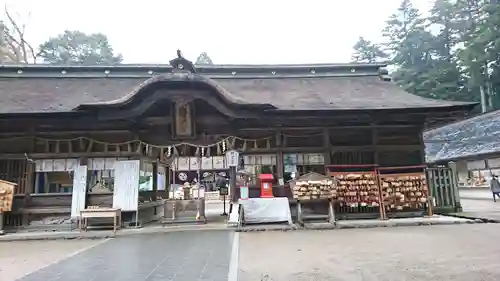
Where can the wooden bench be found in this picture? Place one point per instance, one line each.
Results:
(56, 210)
(115, 214)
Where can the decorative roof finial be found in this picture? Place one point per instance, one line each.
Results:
(182, 64)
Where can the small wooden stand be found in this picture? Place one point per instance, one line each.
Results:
(116, 214)
(430, 206)
(331, 211)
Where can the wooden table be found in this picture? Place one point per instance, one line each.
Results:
(116, 214)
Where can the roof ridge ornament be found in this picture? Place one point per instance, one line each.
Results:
(181, 64)
(384, 75)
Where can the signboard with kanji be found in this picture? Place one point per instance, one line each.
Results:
(232, 158)
(223, 191)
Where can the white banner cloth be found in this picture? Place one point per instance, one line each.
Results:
(266, 210)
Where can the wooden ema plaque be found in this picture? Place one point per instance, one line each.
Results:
(6, 196)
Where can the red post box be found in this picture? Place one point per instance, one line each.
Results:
(266, 185)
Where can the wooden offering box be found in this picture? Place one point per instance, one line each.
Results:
(404, 188)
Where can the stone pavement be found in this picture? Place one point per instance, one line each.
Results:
(20, 258)
(480, 209)
(475, 193)
(447, 252)
(216, 222)
(343, 224)
(176, 256)
(100, 234)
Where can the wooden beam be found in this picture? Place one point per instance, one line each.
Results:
(67, 155)
(67, 133)
(326, 127)
(333, 148)
(166, 120)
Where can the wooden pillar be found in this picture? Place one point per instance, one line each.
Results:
(326, 146)
(422, 147)
(279, 156)
(155, 181)
(169, 179)
(454, 186)
(374, 130)
(30, 181)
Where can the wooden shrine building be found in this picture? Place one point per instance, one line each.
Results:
(472, 144)
(55, 118)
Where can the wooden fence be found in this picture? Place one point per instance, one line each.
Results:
(443, 187)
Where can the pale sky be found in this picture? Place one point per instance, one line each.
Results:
(231, 32)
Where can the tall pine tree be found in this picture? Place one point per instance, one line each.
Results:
(453, 54)
(487, 38)
(411, 47)
(471, 55)
(444, 79)
(368, 52)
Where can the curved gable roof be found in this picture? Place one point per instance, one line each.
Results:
(297, 87)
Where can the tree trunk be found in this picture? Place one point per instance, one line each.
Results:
(484, 106)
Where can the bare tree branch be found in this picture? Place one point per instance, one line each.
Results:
(16, 40)
(14, 49)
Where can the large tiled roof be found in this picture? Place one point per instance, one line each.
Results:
(470, 137)
(292, 87)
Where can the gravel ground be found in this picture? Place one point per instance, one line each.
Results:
(20, 258)
(453, 252)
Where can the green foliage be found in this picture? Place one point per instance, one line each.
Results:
(453, 54)
(78, 48)
(203, 58)
(368, 52)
